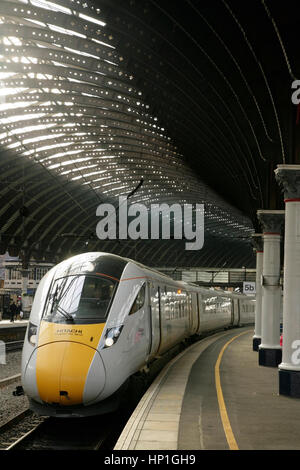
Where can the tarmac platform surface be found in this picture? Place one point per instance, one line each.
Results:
(215, 396)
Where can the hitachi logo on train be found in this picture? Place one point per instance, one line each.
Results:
(69, 331)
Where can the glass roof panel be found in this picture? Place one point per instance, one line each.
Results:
(85, 103)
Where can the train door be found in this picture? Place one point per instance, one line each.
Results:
(196, 311)
(193, 312)
(232, 313)
(155, 317)
(237, 314)
(137, 333)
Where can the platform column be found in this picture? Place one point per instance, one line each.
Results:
(25, 276)
(269, 352)
(288, 176)
(257, 240)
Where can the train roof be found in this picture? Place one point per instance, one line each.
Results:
(114, 265)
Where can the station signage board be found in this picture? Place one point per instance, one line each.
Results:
(249, 288)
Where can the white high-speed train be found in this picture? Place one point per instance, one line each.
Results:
(97, 319)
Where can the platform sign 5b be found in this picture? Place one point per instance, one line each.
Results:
(249, 288)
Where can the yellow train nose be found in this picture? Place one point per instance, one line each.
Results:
(62, 373)
(65, 354)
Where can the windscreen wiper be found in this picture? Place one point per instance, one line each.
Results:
(54, 299)
(55, 306)
(58, 298)
(63, 312)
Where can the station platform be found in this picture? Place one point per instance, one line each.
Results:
(12, 331)
(215, 396)
(14, 324)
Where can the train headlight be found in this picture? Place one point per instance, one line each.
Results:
(109, 342)
(32, 337)
(112, 335)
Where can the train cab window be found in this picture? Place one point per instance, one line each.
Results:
(95, 296)
(139, 301)
(80, 299)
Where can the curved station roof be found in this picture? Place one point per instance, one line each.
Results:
(156, 101)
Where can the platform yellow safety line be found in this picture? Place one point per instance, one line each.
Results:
(222, 407)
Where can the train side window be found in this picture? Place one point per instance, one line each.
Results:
(139, 301)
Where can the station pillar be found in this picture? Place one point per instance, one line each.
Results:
(269, 351)
(288, 176)
(25, 275)
(257, 240)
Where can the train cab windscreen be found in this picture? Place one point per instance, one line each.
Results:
(79, 299)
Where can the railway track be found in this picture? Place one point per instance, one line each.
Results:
(14, 345)
(28, 431)
(10, 380)
(16, 428)
(68, 434)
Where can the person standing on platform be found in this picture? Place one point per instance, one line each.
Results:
(19, 311)
(13, 311)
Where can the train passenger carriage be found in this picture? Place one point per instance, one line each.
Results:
(97, 319)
